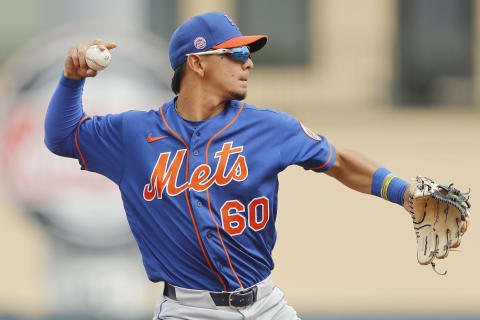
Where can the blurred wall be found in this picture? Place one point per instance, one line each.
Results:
(338, 252)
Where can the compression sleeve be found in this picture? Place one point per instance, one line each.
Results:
(63, 115)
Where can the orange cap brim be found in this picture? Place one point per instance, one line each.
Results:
(254, 42)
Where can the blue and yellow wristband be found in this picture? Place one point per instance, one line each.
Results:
(388, 186)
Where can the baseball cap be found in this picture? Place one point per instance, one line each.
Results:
(211, 30)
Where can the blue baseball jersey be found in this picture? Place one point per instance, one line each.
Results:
(201, 197)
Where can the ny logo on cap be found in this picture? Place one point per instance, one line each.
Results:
(200, 43)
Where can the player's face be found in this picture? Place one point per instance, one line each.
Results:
(228, 77)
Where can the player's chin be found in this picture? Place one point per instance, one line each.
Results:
(239, 94)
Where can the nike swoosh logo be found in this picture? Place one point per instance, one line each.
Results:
(150, 139)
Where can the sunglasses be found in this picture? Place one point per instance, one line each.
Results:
(238, 54)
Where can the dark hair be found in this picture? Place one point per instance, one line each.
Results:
(177, 78)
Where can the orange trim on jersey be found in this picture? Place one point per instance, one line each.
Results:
(208, 196)
(323, 165)
(76, 141)
(190, 208)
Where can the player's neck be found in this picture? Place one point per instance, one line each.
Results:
(198, 108)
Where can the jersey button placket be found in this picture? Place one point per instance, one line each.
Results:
(214, 250)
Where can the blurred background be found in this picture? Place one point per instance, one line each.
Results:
(396, 80)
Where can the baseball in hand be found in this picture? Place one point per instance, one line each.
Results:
(97, 59)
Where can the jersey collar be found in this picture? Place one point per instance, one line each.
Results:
(208, 128)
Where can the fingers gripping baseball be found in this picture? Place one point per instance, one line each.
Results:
(75, 64)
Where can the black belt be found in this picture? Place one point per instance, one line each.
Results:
(234, 299)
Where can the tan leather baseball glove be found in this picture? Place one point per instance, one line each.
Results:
(440, 218)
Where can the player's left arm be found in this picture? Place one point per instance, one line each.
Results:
(301, 146)
(362, 174)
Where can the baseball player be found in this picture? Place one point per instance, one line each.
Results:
(198, 175)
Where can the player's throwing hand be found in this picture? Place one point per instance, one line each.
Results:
(75, 64)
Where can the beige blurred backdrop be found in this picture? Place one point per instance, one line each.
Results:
(338, 252)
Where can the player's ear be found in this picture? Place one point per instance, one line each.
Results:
(196, 64)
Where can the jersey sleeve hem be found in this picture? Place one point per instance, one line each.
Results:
(83, 163)
(329, 163)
